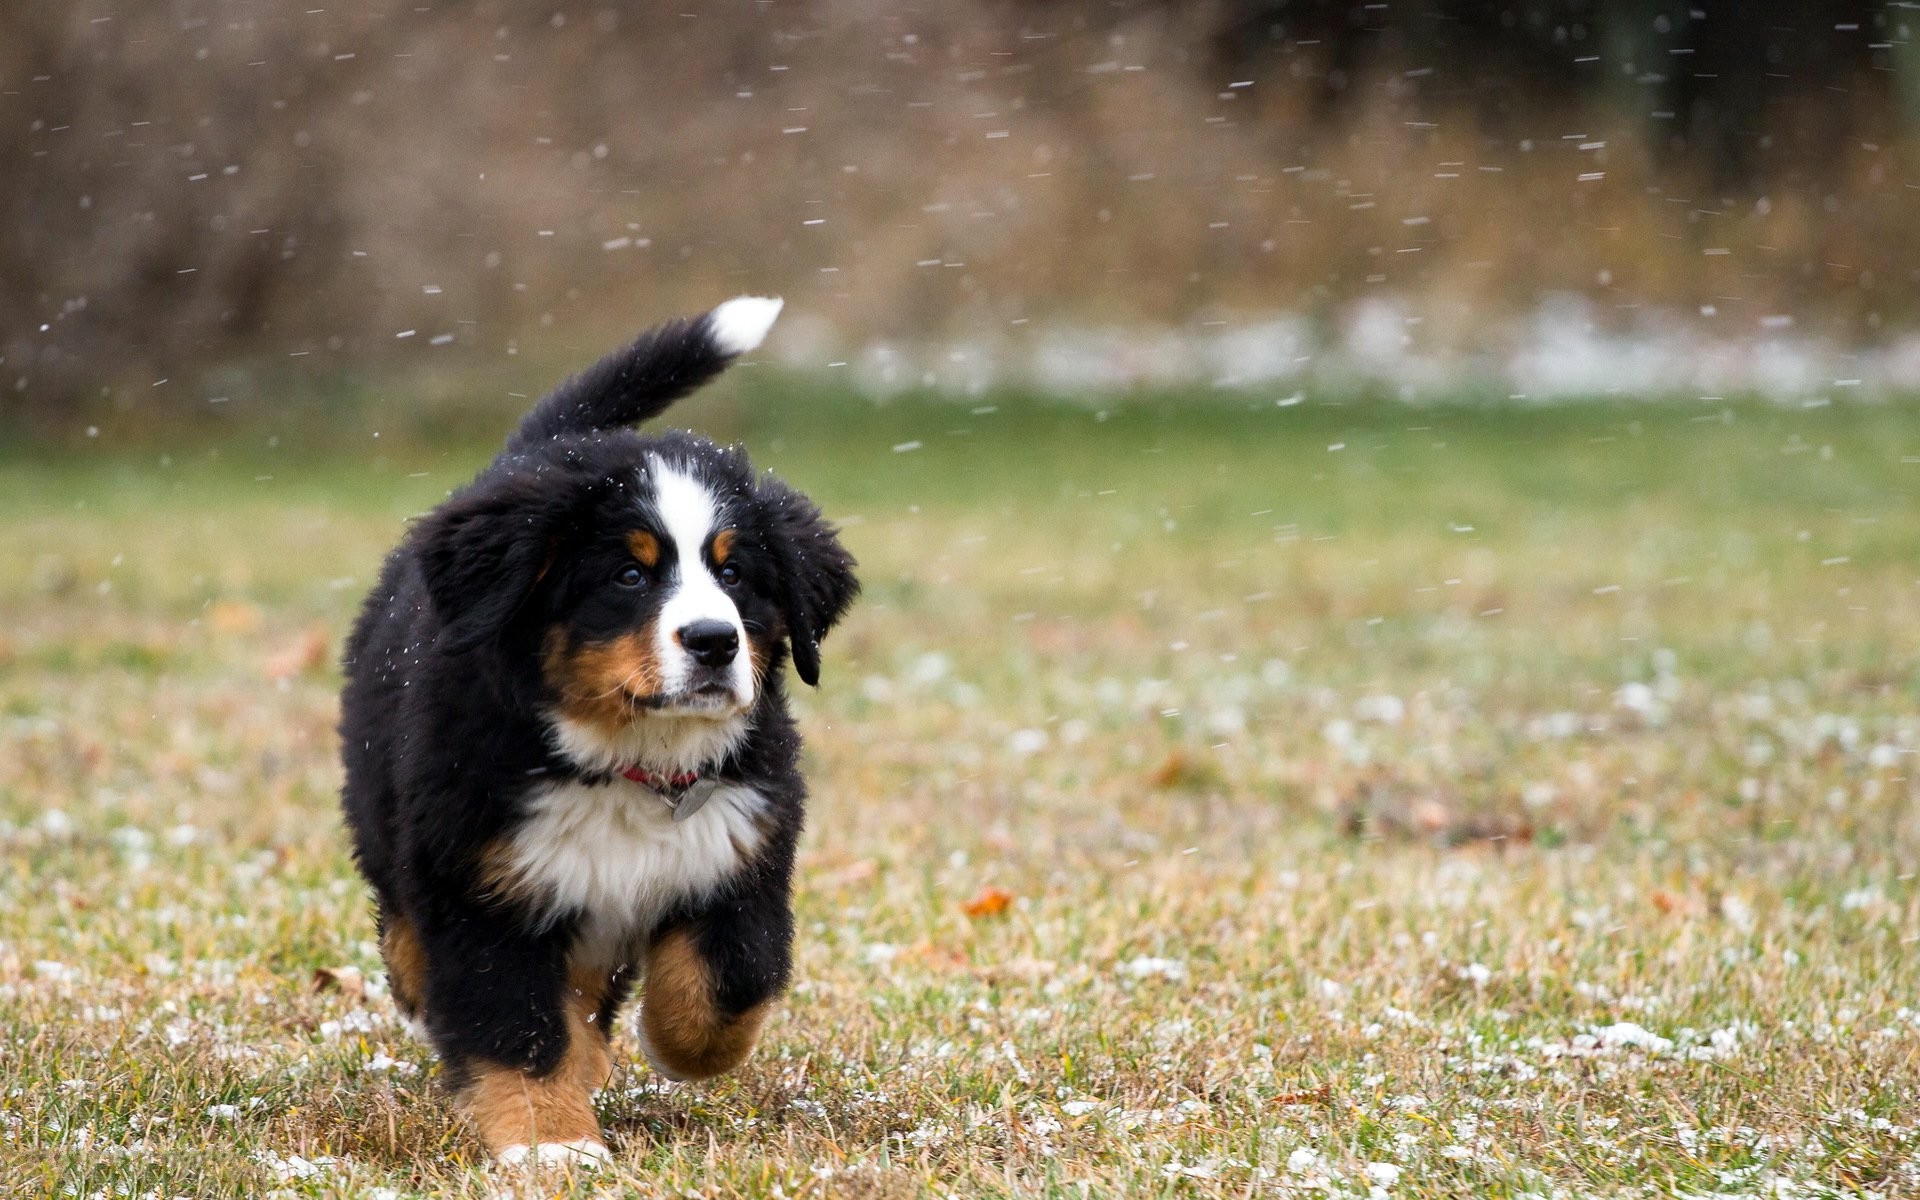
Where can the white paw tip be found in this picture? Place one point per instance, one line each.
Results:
(741, 323)
(583, 1152)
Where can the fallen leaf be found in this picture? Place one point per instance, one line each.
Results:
(991, 902)
(350, 982)
(1171, 770)
(1431, 817)
(304, 654)
(1319, 1095)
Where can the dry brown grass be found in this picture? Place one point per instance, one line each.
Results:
(1494, 805)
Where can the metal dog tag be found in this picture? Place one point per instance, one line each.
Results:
(693, 799)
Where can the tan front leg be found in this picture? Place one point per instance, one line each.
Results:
(548, 1119)
(682, 1030)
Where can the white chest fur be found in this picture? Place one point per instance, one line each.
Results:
(614, 854)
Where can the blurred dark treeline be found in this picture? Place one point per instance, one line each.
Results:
(195, 188)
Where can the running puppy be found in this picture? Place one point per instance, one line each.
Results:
(570, 768)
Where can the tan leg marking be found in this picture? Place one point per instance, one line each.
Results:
(682, 1030)
(588, 1043)
(510, 1107)
(515, 1109)
(406, 964)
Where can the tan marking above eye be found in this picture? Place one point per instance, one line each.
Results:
(644, 546)
(722, 546)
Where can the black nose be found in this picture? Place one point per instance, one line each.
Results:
(712, 643)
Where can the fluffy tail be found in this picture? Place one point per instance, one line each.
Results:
(639, 382)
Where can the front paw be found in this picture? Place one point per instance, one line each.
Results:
(534, 1120)
(581, 1153)
(683, 1031)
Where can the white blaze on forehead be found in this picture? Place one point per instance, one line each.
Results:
(690, 514)
(741, 323)
(686, 508)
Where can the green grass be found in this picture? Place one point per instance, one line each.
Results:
(1510, 801)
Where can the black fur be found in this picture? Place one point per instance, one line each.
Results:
(625, 388)
(444, 717)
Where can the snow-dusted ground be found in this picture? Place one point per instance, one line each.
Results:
(1563, 351)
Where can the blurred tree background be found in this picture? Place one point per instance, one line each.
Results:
(200, 189)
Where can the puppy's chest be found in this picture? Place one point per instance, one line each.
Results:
(613, 856)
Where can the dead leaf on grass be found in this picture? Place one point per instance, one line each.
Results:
(303, 654)
(990, 902)
(1319, 1095)
(1171, 770)
(1673, 903)
(348, 980)
(1381, 805)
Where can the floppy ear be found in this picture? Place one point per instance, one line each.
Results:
(482, 554)
(816, 572)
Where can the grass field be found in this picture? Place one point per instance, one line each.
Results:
(1385, 801)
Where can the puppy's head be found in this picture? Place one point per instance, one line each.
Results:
(654, 585)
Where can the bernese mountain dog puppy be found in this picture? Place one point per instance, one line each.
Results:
(570, 767)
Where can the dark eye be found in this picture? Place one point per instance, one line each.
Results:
(730, 575)
(630, 576)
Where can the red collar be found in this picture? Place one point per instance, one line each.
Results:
(681, 791)
(679, 781)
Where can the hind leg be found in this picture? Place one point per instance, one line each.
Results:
(406, 969)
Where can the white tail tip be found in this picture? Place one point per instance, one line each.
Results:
(741, 323)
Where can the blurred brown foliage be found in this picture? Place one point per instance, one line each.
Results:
(199, 187)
